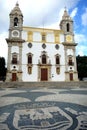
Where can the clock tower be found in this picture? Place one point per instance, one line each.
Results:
(66, 24)
(14, 65)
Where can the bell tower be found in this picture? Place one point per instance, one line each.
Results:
(14, 40)
(16, 23)
(66, 25)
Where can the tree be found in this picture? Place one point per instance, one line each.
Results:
(2, 68)
(81, 66)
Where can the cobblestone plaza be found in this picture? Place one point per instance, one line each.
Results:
(43, 108)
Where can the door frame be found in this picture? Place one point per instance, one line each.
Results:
(14, 76)
(71, 76)
(45, 72)
(48, 67)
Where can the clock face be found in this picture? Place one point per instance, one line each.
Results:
(69, 38)
(15, 33)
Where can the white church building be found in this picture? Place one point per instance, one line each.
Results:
(40, 54)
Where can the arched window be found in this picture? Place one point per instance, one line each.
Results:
(15, 21)
(68, 27)
(29, 59)
(57, 59)
(14, 58)
(58, 70)
(30, 69)
(70, 61)
(43, 59)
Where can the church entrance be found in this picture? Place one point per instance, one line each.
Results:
(71, 76)
(44, 74)
(14, 76)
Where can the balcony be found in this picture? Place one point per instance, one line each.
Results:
(44, 63)
(14, 62)
(71, 63)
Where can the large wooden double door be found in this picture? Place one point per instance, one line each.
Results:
(44, 74)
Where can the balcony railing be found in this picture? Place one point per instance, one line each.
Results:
(44, 63)
(14, 62)
(71, 63)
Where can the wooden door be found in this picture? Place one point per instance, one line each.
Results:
(71, 76)
(44, 74)
(14, 77)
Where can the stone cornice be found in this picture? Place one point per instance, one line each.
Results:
(15, 40)
(69, 44)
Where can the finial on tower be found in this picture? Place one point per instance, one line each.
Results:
(65, 15)
(17, 4)
(65, 8)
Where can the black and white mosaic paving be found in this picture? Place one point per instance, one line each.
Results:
(43, 109)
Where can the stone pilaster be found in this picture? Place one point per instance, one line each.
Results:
(75, 65)
(20, 58)
(9, 57)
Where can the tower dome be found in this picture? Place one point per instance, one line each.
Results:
(66, 16)
(16, 10)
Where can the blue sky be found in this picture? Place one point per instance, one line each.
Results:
(47, 12)
(80, 26)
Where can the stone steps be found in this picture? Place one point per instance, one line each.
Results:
(43, 84)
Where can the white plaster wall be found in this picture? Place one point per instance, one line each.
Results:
(50, 37)
(71, 67)
(36, 51)
(12, 67)
(24, 35)
(15, 49)
(51, 53)
(37, 36)
(58, 77)
(69, 52)
(61, 38)
(29, 77)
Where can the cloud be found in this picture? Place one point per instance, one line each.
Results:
(36, 13)
(84, 18)
(74, 12)
(80, 38)
(81, 48)
(3, 45)
(44, 11)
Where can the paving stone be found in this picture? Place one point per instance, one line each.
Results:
(43, 108)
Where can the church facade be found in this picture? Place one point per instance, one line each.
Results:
(40, 54)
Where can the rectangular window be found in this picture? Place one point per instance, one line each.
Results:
(57, 60)
(14, 59)
(43, 37)
(30, 36)
(70, 61)
(43, 59)
(30, 70)
(29, 59)
(58, 70)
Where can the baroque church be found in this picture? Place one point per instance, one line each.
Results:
(37, 54)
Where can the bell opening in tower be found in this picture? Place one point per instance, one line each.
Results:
(15, 21)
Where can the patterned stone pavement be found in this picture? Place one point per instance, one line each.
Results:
(43, 109)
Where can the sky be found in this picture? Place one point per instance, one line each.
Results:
(47, 13)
